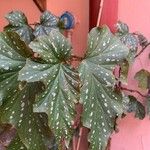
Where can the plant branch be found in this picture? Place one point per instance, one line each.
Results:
(109, 144)
(142, 50)
(132, 91)
(118, 85)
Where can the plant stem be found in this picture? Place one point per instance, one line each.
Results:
(109, 144)
(133, 91)
(142, 50)
(126, 89)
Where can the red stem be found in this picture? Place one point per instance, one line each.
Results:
(142, 50)
(130, 90)
(109, 144)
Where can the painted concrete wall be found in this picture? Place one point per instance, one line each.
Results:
(134, 134)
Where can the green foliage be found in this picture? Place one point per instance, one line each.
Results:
(17, 100)
(142, 77)
(31, 127)
(60, 79)
(137, 107)
(148, 104)
(18, 23)
(129, 39)
(13, 54)
(39, 88)
(102, 105)
(16, 144)
(47, 22)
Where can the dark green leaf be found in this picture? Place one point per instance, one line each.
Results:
(48, 21)
(60, 79)
(128, 39)
(137, 107)
(148, 104)
(17, 99)
(124, 71)
(18, 23)
(122, 28)
(31, 127)
(142, 78)
(13, 54)
(16, 144)
(131, 41)
(101, 103)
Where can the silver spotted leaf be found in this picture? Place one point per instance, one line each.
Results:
(32, 128)
(129, 39)
(13, 54)
(19, 24)
(135, 106)
(48, 21)
(122, 28)
(60, 79)
(131, 42)
(101, 104)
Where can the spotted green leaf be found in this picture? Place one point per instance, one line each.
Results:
(18, 23)
(129, 39)
(101, 103)
(48, 21)
(135, 106)
(13, 54)
(31, 127)
(122, 28)
(60, 79)
(142, 78)
(124, 69)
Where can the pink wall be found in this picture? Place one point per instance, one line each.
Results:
(27, 6)
(134, 134)
(136, 14)
(80, 9)
(109, 13)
